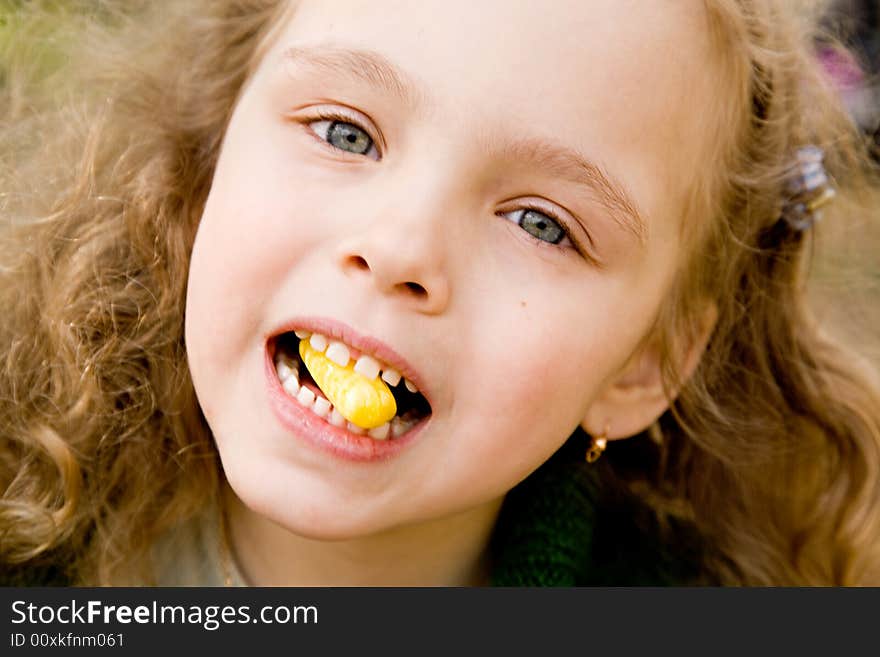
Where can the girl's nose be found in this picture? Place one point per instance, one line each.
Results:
(410, 270)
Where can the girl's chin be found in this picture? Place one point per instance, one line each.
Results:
(317, 523)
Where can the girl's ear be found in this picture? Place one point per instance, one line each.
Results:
(635, 398)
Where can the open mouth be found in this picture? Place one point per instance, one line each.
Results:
(347, 389)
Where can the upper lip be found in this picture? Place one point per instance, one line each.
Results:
(336, 330)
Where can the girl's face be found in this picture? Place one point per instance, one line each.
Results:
(484, 195)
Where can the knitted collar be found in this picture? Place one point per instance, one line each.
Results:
(545, 531)
(556, 528)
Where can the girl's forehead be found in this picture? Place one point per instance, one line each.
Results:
(616, 79)
(519, 43)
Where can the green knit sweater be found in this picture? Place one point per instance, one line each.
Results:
(558, 529)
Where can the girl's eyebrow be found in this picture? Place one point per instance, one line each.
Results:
(365, 66)
(567, 163)
(377, 71)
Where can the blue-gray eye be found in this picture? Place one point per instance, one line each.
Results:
(348, 137)
(537, 224)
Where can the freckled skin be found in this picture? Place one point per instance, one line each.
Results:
(516, 340)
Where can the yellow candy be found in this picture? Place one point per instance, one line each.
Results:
(368, 404)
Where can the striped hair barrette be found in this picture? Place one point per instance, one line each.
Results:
(807, 189)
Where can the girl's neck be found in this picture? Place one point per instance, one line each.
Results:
(450, 551)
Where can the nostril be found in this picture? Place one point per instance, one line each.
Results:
(384, 277)
(415, 289)
(358, 262)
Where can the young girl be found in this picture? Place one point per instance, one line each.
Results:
(358, 293)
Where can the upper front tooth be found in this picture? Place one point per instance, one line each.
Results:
(368, 367)
(391, 376)
(410, 385)
(318, 342)
(338, 353)
(302, 335)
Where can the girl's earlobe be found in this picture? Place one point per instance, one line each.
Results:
(637, 396)
(630, 403)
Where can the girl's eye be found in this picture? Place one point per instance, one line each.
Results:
(345, 136)
(539, 225)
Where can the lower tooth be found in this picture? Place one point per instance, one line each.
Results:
(284, 370)
(380, 432)
(336, 418)
(398, 427)
(291, 386)
(356, 429)
(321, 407)
(305, 397)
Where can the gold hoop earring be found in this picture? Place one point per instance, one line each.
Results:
(597, 446)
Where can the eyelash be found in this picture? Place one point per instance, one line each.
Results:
(327, 115)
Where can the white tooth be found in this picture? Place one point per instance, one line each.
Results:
(305, 397)
(356, 429)
(410, 385)
(380, 432)
(318, 342)
(398, 427)
(321, 407)
(338, 353)
(302, 335)
(336, 418)
(407, 426)
(367, 366)
(284, 370)
(391, 376)
(291, 386)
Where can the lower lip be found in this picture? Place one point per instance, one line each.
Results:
(321, 434)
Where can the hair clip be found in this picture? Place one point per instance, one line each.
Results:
(807, 189)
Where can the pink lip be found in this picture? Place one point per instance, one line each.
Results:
(316, 431)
